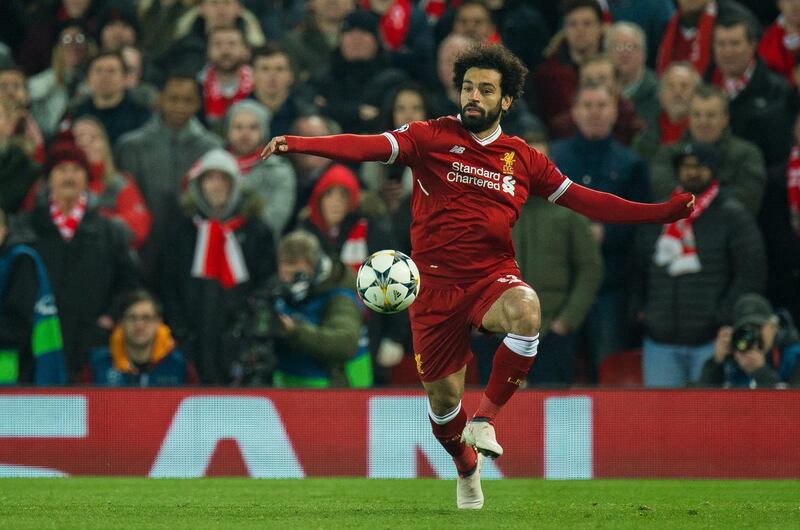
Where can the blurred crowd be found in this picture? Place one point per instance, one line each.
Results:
(143, 242)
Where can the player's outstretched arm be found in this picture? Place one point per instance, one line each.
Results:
(609, 208)
(344, 147)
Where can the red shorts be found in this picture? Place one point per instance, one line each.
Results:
(443, 315)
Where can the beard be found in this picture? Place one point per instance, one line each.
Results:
(476, 124)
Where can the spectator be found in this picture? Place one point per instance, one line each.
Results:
(31, 346)
(53, 90)
(595, 159)
(351, 226)
(47, 23)
(678, 84)
(158, 20)
(277, 17)
(142, 92)
(626, 46)
(321, 319)
(193, 30)
(227, 78)
(17, 170)
(741, 165)
(555, 81)
(474, 20)
(274, 87)
(689, 34)
(759, 351)
(404, 36)
(159, 154)
(557, 253)
(780, 225)
(309, 168)
(601, 70)
(118, 196)
(86, 255)
(652, 16)
(781, 42)
(118, 27)
(109, 100)
(392, 183)
(219, 253)
(690, 273)
(758, 98)
(314, 41)
(26, 133)
(141, 351)
(273, 180)
(358, 79)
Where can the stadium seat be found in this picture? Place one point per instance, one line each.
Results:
(623, 368)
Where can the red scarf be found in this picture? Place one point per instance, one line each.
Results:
(671, 131)
(216, 104)
(217, 254)
(246, 163)
(354, 250)
(779, 49)
(606, 11)
(676, 248)
(68, 223)
(393, 25)
(793, 188)
(733, 86)
(700, 43)
(434, 9)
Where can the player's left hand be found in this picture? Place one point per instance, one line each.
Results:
(287, 322)
(276, 145)
(679, 206)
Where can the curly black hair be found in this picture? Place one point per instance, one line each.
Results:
(493, 57)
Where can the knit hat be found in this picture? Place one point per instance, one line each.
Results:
(118, 14)
(753, 309)
(363, 20)
(262, 114)
(66, 151)
(706, 154)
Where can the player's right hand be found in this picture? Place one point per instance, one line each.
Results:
(276, 145)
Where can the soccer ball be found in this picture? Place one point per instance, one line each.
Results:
(388, 281)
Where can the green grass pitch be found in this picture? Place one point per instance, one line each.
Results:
(369, 503)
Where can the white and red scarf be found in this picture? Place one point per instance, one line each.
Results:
(779, 49)
(700, 41)
(217, 254)
(793, 189)
(246, 163)
(216, 103)
(354, 250)
(68, 223)
(676, 247)
(733, 86)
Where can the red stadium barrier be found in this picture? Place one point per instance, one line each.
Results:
(284, 433)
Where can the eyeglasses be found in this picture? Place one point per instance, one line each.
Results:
(78, 38)
(145, 319)
(626, 47)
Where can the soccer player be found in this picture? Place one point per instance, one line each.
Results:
(470, 181)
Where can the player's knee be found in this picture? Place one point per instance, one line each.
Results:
(443, 402)
(524, 313)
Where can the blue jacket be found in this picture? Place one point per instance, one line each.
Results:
(607, 165)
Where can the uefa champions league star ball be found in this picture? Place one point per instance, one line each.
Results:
(388, 281)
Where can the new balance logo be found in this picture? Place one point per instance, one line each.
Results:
(509, 278)
(457, 149)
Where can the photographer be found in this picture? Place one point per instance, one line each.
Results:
(760, 350)
(324, 341)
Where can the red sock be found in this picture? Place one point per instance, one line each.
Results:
(449, 435)
(508, 372)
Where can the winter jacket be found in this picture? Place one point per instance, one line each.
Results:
(560, 258)
(125, 117)
(200, 311)
(606, 165)
(741, 170)
(17, 175)
(274, 181)
(690, 308)
(87, 273)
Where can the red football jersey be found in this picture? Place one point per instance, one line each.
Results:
(468, 193)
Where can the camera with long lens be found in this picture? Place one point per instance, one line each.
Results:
(746, 337)
(253, 338)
